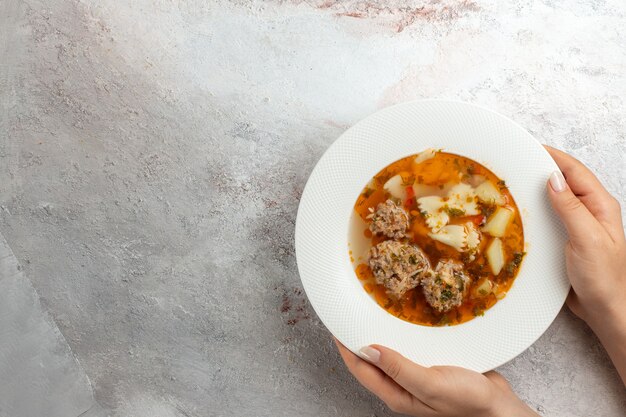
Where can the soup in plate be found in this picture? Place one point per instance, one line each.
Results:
(436, 238)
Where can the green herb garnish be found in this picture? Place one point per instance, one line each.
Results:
(446, 295)
(454, 212)
(512, 266)
(487, 210)
(478, 311)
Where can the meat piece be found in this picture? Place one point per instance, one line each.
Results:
(390, 220)
(398, 266)
(446, 286)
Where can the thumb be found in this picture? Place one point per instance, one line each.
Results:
(498, 379)
(409, 375)
(576, 218)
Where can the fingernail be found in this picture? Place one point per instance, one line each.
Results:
(370, 354)
(557, 181)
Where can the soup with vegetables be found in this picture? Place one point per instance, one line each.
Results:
(437, 238)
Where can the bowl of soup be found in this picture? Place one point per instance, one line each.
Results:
(426, 228)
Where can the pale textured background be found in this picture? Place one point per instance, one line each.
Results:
(152, 156)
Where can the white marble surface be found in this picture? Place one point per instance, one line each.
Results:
(152, 154)
(38, 373)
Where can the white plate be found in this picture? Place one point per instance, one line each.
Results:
(322, 226)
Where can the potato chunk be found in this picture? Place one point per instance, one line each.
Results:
(495, 256)
(499, 221)
(489, 194)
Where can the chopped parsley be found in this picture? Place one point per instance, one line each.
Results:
(512, 266)
(477, 270)
(478, 311)
(455, 212)
(446, 295)
(412, 260)
(487, 209)
(368, 192)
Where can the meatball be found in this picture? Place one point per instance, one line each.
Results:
(398, 266)
(446, 286)
(390, 220)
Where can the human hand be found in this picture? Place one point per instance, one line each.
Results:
(595, 254)
(439, 391)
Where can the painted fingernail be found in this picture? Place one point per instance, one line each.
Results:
(370, 354)
(557, 181)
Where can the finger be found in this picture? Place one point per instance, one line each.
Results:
(414, 378)
(498, 379)
(379, 384)
(586, 186)
(573, 302)
(581, 225)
